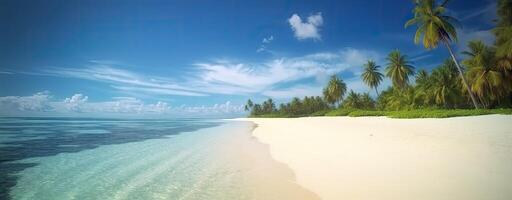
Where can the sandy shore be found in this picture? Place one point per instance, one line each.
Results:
(383, 158)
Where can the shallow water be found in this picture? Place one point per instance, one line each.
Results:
(138, 159)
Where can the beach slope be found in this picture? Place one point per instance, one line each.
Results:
(383, 158)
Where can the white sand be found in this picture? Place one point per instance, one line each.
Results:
(382, 158)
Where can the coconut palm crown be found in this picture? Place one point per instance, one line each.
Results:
(398, 69)
(371, 75)
(433, 25)
(335, 90)
(483, 73)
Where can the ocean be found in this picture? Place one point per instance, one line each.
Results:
(87, 158)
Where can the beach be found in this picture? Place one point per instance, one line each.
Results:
(384, 158)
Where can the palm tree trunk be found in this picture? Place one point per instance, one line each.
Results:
(461, 74)
(376, 91)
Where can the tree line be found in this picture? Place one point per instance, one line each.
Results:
(482, 80)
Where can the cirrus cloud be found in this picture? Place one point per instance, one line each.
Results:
(228, 77)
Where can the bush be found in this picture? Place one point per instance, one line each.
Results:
(405, 114)
(320, 113)
(444, 113)
(340, 112)
(361, 113)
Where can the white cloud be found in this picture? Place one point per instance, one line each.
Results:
(486, 14)
(37, 102)
(158, 90)
(266, 78)
(490, 9)
(229, 77)
(224, 108)
(264, 43)
(77, 104)
(159, 107)
(126, 80)
(130, 105)
(242, 78)
(420, 57)
(306, 29)
(5, 72)
(268, 39)
(295, 91)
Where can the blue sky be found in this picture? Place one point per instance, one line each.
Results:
(200, 57)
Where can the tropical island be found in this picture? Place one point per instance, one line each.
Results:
(462, 156)
(354, 99)
(479, 84)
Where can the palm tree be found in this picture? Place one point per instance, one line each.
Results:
(269, 106)
(435, 27)
(295, 106)
(503, 33)
(403, 99)
(484, 75)
(421, 78)
(335, 90)
(503, 42)
(366, 101)
(443, 85)
(371, 75)
(423, 85)
(353, 100)
(256, 110)
(399, 69)
(248, 106)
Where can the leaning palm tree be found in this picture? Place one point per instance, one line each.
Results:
(335, 90)
(371, 75)
(483, 73)
(435, 27)
(399, 69)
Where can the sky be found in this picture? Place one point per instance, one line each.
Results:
(201, 58)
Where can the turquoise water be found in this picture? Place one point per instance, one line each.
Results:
(66, 158)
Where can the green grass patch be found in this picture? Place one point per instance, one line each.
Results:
(339, 112)
(272, 115)
(445, 113)
(361, 113)
(320, 113)
(403, 114)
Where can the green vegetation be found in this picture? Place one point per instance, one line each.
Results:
(335, 90)
(399, 69)
(435, 26)
(449, 90)
(419, 113)
(371, 75)
(340, 112)
(361, 113)
(444, 113)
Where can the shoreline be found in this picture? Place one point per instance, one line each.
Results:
(224, 161)
(385, 158)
